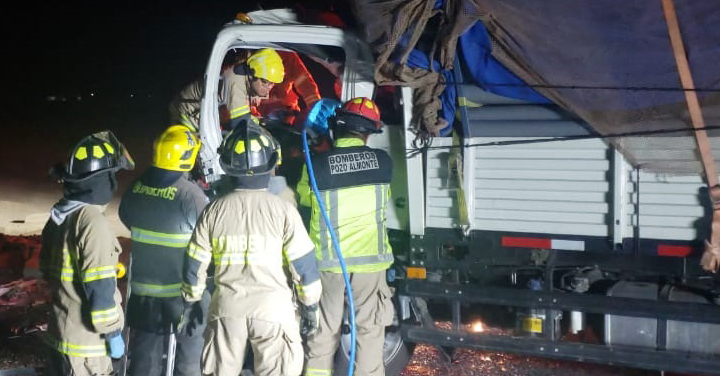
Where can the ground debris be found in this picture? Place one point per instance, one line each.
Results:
(427, 360)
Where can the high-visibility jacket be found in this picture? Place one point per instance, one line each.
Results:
(253, 238)
(297, 83)
(161, 217)
(79, 254)
(354, 183)
(185, 107)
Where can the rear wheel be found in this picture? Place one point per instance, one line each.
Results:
(396, 353)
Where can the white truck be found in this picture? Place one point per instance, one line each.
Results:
(511, 222)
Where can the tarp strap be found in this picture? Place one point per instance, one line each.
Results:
(711, 259)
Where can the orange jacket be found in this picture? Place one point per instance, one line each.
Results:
(298, 83)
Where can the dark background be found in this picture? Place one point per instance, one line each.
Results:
(111, 48)
(72, 68)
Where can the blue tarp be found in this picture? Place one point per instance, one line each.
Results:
(486, 72)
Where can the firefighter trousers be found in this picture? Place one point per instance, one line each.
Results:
(148, 349)
(59, 364)
(373, 311)
(276, 347)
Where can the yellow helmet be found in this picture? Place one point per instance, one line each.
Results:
(267, 63)
(176, 149)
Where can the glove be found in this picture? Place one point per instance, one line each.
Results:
(315, 119)
(309, 320)
(115, 344)
(192, 317)
(711, 258)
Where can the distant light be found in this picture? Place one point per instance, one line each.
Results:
(132, 95)
(92, 94)
(478, 327)
(79, 98)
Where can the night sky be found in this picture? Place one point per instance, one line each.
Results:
(134, 56)
(110, 48)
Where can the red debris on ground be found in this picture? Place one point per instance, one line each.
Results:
(19, 257)
(24, 292)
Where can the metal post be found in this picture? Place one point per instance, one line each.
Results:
(171, 344)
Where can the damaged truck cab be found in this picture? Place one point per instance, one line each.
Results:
(521, 221)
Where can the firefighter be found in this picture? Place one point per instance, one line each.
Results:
(185, 107)
(297, 83)
(251, 82)
(354, 182)
(160, 208)
(283, 102)
(79, 256)
(252, 238)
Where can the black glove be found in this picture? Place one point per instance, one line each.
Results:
(309, 320)
(192, 317)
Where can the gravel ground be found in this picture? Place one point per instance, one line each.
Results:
(427, 361)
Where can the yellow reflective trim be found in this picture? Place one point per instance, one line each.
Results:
(318, 372)
(311, 291)
(86, 351)
(463, 101)
(240, 147)
(63, 274)
(81, 153)
(158, 291)
(198, 254)
(369, 104)
(240, 111)
(98, 152)
(357, 100)
(105, 315)
(101, 272)
(193, 291)
(109, 148)
(264, 140)
(231, 259)
(159, 238)
(255, 145)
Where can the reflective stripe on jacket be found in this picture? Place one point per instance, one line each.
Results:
(354, 183)
(259, 247)
(161, 220)
(236, 86)
(78, 259)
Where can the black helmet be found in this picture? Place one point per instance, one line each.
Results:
(96, 153)
(249, 150)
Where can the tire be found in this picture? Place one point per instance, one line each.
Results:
(396, 353)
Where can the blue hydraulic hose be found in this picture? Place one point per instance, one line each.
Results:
(336, 245)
